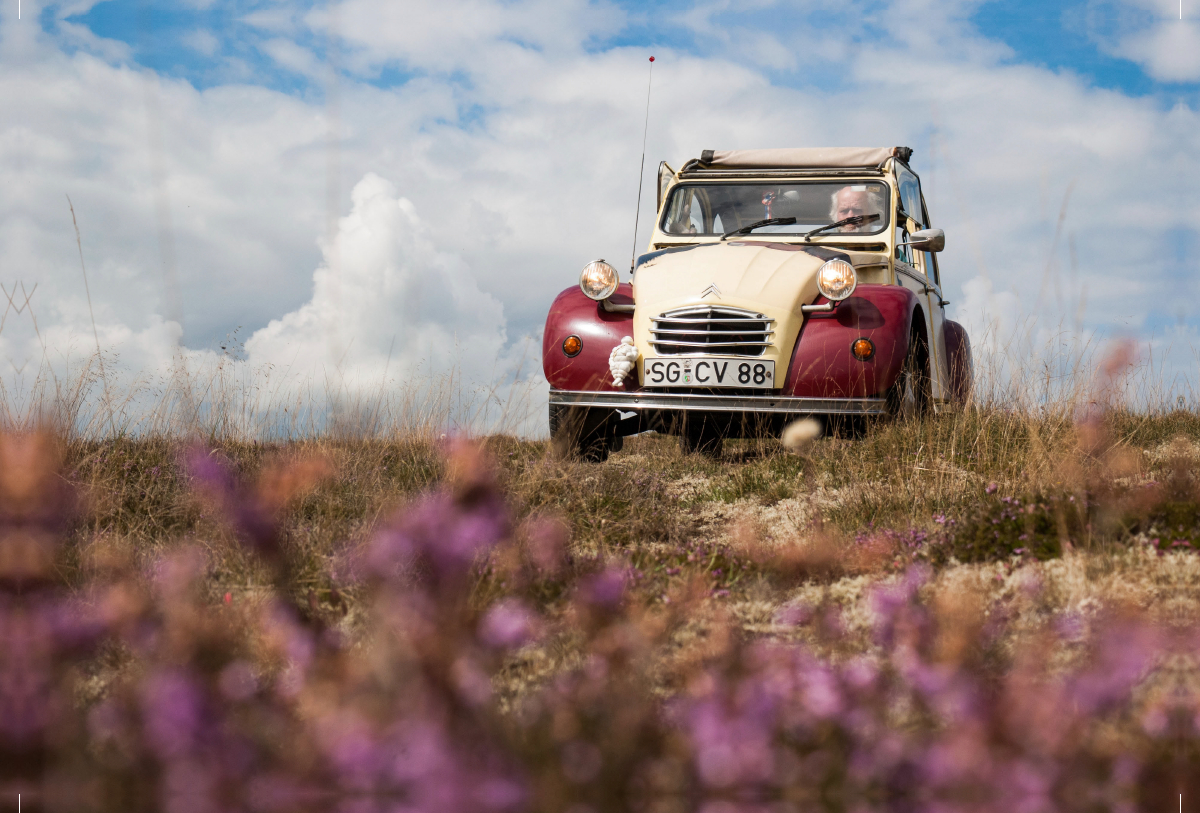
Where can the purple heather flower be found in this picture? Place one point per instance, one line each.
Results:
(439, 537)
(237, 681)
(172, 709)
(507, 624)
(253, 523)
(499, 793)
(1070, 626)
(1123, 655)
(793, 615)
(547, 544)
(605, 589)
(822, 697)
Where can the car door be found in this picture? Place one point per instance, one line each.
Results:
(918, 271)
(928, 264)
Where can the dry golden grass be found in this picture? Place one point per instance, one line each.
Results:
(759, 532)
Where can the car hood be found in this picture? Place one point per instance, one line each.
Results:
(774, 279)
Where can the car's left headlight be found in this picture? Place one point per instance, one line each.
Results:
(598, 280)
(836, 280)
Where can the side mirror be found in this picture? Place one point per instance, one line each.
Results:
(927, 240)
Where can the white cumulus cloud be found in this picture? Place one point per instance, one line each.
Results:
(386, 301)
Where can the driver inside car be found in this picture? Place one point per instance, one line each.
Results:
(851, 201)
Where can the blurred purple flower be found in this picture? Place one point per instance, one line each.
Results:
(438, 537)
(507, 624)
(605, 590)
(237, 681)
(793, 615)
(253, 522)
(172, 709)
(1070, 626)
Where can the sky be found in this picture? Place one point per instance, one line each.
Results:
(373, 193)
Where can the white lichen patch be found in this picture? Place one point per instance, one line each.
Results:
(1082, 587)
(787, 521)
(688, 486)
(1177, 448)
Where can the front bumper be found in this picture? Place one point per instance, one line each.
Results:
(668, 402)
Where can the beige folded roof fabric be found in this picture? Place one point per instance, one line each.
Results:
(802, 157)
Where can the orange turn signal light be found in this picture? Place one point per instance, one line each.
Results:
(863, 349)
(572, 345)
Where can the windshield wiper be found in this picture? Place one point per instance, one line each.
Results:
(770, 221)
(856, 220)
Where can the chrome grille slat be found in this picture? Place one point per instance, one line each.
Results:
(733, 331)
(706, 332)
(714, 344)
(682, 321)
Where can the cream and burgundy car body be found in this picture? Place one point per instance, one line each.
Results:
(778, 284)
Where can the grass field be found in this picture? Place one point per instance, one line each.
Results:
(987, 602)
(927, 490)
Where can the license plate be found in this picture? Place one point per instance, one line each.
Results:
(709, 372)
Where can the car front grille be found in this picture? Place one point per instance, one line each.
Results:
(711, 329)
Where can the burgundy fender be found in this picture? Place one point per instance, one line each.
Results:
(962, 369)
(823, 365)
(573, 314)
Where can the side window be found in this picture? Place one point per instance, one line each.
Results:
(910, 196)
(665, 175)
(929, 259)
(903, 253)
(686, 215)
(931, 266)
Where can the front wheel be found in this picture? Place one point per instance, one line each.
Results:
(700, 435)
(583, 433)
(911, 394)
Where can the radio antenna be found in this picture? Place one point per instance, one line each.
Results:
(642, 170)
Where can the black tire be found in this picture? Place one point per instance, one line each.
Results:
(912, 393)
(700, 435)
(583, 433)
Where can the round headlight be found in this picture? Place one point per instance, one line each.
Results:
(598, 280)
(837, 280)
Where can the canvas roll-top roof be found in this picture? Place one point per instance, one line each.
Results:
(803, 157)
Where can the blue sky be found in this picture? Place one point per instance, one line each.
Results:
(1056, 36)
(1059, 36)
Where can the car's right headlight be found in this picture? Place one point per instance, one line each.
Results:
(598, 280)
(836, 280)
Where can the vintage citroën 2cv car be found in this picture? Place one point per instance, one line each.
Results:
(778, 284)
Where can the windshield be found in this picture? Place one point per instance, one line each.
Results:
(713, 209)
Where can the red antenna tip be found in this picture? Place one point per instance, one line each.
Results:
(651, 59)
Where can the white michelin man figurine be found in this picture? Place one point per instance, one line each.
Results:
(621, 360)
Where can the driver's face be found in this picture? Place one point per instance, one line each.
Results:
(850, 203)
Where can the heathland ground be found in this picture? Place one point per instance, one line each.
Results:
(992, 607)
